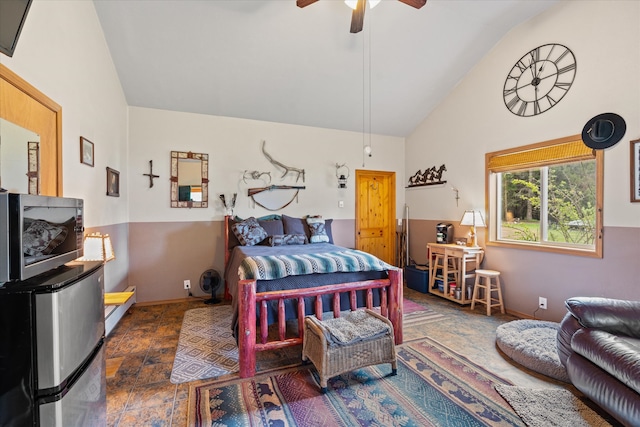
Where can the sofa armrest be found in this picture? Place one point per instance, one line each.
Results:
(610, 315)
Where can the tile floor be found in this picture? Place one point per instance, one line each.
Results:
(141, 348)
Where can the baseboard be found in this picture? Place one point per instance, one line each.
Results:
(113, 313)
(166, 301)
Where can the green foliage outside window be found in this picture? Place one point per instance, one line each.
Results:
(546, 196)
(555, 204)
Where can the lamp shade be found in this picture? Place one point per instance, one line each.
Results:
(97, 247)
(473, 218)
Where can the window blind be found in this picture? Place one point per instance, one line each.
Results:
(545, 155)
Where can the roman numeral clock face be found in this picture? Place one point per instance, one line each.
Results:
(539, 80)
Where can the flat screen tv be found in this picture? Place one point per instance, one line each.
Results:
(13, 13)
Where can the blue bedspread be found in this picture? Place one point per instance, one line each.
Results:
(269, 267)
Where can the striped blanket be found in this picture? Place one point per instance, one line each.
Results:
(277, 266)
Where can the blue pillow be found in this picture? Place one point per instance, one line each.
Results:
(249, 232)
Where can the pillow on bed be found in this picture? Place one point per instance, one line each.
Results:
(233, 240)
(294, 225)
(286, 239)
(317, 229)
(273, 227)
(327, 228)
(249, 232)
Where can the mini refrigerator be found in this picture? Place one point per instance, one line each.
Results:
(52, 351)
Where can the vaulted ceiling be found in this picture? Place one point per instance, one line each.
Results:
(270, 60)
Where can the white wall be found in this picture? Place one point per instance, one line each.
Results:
(605, 39)
(63, 54)
(233, 146)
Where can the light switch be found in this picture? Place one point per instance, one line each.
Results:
(341, 204)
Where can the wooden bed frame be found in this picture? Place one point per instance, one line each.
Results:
(248, 300)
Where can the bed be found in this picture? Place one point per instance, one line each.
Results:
(271, 285)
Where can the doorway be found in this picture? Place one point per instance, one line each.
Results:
(376, 213)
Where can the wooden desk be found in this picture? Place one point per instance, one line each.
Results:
(454, 263)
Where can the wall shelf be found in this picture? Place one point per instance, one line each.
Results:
(427, 184)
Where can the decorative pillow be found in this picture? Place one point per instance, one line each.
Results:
(294, 225)
(273, 227)
(249, 232)
(317, 229)
(233, 240)
(327, 228)
(287, 239)
(42, 237)
(271, 223)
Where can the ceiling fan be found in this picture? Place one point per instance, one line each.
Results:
(357, 18)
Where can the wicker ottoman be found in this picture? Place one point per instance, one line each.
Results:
(332, 356)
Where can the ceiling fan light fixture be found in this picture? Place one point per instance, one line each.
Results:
(353, 3)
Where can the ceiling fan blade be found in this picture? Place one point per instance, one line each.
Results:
(415, 3)
(305, 3)
(357, 17)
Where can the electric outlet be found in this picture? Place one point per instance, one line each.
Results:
(542, 303)
(187, 284)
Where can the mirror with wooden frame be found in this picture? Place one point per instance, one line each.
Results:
(189, 180)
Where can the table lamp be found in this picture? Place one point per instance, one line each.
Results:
(474, 219)
(97, 247)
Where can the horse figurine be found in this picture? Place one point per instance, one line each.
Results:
(415, 179)
(427, 176)
(437, 175)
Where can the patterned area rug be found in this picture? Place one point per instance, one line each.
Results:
(207, 349)
(434, 387)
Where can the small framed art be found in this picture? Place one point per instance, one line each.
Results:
(635, 171)
(86, 151)
(113, 182)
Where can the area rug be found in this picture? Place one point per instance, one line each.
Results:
(550, 407)
(532, 343)
(207, 349)
(434, 387)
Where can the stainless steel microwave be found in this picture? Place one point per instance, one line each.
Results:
(38, 234)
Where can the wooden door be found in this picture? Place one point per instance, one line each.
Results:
(376, 213)
(27, 107)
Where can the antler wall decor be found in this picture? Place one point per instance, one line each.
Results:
(287, 169)
(255, 175)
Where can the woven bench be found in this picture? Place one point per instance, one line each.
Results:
(334, 350)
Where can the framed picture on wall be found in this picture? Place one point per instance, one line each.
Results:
(635, 171)
(86, 151)
(113, 182)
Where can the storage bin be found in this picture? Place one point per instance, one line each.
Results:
(416, 278)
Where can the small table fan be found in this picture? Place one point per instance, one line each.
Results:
(210, 282)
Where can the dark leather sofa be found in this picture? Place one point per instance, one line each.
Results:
(599, 344)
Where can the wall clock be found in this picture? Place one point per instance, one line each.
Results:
(539, 80)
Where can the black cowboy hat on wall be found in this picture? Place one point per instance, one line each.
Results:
(603, 131)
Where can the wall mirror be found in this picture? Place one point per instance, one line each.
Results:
(19, 159)
(189, 180)
(35, 154)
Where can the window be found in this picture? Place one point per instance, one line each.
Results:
(546, 196)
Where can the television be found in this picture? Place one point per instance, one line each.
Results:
(13, 13)
(38, 234)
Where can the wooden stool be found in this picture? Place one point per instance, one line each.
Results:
(489, 287)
